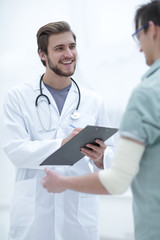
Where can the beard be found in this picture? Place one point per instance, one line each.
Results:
(58, 71)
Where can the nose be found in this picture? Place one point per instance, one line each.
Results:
(68, 53)
(140, 49)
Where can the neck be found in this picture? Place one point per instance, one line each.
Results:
(157, 55)
(55, 81)
(156, 44)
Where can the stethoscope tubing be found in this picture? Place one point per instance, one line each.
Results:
(41, 93)
(74, 115)
(79, 94)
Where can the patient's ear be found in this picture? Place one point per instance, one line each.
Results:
(153, 28)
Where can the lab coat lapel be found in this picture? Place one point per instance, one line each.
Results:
(71, 100)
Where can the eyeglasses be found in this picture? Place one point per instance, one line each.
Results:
(136, 35)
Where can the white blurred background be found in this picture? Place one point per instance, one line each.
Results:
(109, 63)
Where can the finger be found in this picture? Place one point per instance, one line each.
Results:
(98, 150)
(90, 149)
(90, 153)
(78, 129)
(74, 133)
(101, 143)
(43, 181)
(46, 170)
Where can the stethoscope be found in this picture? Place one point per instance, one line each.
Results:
(75, 115)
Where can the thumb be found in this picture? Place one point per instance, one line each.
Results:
(47, 170)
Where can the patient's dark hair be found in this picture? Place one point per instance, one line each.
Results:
(148, 12)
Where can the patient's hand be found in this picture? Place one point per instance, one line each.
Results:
(52, 181)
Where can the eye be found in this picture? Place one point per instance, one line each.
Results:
(59, 49)
(72, 46)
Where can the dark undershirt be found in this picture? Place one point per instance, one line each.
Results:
(59, 96)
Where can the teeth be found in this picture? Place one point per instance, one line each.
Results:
(67, 62)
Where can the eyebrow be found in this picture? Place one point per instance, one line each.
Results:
(61, 45)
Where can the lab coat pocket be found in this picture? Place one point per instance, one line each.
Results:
(23, 203)
(88, 210)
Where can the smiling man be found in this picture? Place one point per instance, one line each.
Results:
(137, 158)
(37, 119)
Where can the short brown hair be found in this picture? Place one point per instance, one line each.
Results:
(51, 28)
(148, 12)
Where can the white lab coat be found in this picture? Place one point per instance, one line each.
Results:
(35, 213)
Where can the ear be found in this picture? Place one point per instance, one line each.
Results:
(153, 28)
(42, 55)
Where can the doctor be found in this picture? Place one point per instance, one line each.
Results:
(37, 118)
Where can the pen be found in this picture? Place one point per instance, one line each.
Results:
(71, 126)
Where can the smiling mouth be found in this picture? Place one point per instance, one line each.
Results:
(67, 62)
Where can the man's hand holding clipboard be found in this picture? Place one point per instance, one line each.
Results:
(76, 146)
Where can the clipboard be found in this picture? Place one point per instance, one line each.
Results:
(70, 153)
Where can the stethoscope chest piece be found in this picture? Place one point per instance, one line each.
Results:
(75, 115)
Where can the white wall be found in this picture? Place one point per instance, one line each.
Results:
(109, 61)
